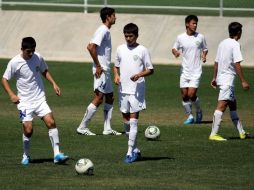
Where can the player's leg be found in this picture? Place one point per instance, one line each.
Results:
(26, 138)
(44, 112)
(26, 117)
(54, 138)
(236, 121)
(90, 111)
(108, 109)
(187, 106)
(192, 94)
(217, 118)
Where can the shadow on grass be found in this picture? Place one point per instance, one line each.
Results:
(144, 158)
(47, 160)
(238, 138)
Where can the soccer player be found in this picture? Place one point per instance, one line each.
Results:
(100, 50)
(194, 50)
(132, 64)
(226, 67)
(27, 68)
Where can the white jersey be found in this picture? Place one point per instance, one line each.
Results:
(228, 53)
(28, 74)
(102, 39)
(191, 47)
(132, 60)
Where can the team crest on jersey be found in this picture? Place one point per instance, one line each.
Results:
(135, 57)
(198, 43)
(37, 68)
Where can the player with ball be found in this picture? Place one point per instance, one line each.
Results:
(132, 64)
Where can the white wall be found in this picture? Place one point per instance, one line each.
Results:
(64, 36)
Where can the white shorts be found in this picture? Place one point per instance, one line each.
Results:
(104, 83)
(189, 82)
(131, 103)
(226, 93)
(26, 111)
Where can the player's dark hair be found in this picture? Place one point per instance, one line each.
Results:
(131, 28)
(106, 11)
(28, 43)
(234, 28)
(191, 17)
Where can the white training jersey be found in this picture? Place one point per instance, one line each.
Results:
(102, 39)
(28, 75)
(228, 53)
(132, 60)
(191, 47)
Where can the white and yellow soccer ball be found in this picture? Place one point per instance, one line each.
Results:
(84, 166)
(152, 132)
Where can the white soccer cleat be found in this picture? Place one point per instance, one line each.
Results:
(111, 132)
(85, 131)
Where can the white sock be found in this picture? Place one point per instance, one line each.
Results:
(54, 138)
(90, 111)
(126, 126)
(237, 122)
(26, 146)
(132, 135)
(108, 109)
(187, 108)
(197, 105)
(216, 122)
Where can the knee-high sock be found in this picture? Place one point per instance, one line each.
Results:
(187, 108)
(90, 111)
(132, 135)
(54, 139)
(197, 104)
(237, 122)
(108, 109)
(26, 146)
(216, 122)
(126, 126)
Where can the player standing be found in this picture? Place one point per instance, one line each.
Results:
(226, 67)
(27, 68)
(100, 50)
(132, 64)
(194, 49)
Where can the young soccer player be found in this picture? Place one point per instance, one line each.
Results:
(194, 50)
(226, 67)
(27, 68)
(100, 51)
(132, 64)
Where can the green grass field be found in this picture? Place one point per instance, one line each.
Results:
(183, 158)
(184, 3)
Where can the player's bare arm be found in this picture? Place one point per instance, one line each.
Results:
(144, 73)
(49, 77)
(239, 72)
(175, 53)
(92, 50)
(215, 70)
(13, 97)
(116, 75)
(203, 55)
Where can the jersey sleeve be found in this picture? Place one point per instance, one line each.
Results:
(9, 72)
(147, 59)
(43, 65)
(117, 58)
(237, 55)
(177, 44)
(98, 37)
(204, 44)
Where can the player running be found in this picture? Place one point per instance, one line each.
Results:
(194, 50)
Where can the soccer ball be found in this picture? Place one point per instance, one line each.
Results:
(84, 166)
(152, 133)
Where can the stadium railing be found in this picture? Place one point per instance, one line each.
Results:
(87, 5)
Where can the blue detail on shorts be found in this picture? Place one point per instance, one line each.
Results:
(22, 115)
